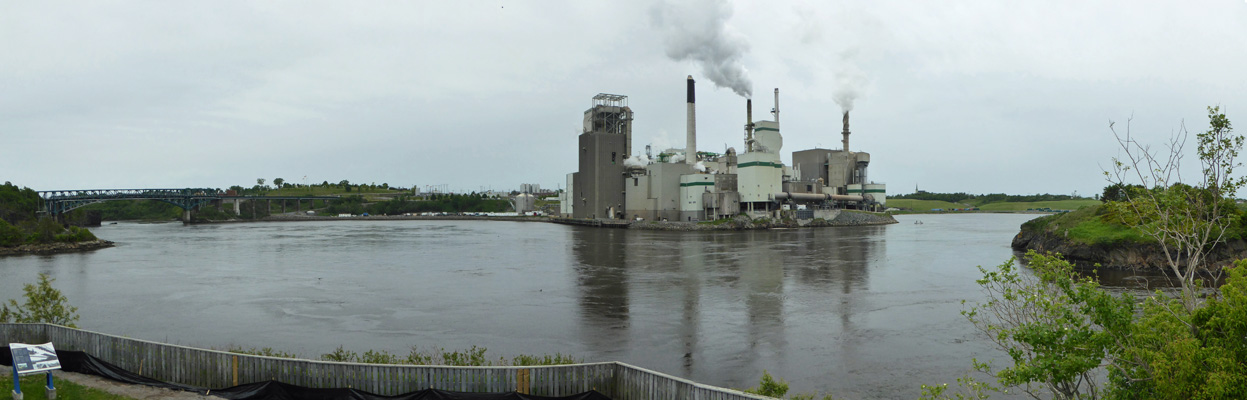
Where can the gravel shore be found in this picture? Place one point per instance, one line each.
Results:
(55, 248)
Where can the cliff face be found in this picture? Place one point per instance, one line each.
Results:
(1126, 256)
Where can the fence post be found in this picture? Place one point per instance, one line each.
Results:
(521, 381)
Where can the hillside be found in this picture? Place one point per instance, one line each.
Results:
(1091, 236)
(1052, 205)
(924, 205)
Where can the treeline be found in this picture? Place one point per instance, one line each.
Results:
(20, 223)
(132, 210)
(439, 203)
(962, 197)
(280, 185)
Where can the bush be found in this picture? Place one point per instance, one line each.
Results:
(43, 304)
(75, 234)
(10, 235)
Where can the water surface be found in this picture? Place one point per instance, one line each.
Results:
(860, 312)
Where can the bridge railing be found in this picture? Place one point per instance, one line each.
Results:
(127, 193)
(218, 369)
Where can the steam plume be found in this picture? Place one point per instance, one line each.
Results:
(636, 161)
(697, 30)
(851, 81)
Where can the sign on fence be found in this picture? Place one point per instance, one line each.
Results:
(32, 358)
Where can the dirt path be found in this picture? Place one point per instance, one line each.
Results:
(135, 391)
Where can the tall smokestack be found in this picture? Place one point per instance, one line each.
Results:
(845, 132)
(749, 115)
(749, 125)
(776, 111)
(690, 149)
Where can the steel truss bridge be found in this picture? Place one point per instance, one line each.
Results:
(57, 202)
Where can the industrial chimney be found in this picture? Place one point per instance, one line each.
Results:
(845, 132)
(776, 110)
(749, 126)
(690, 149)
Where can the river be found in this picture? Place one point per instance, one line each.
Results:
(858, 312)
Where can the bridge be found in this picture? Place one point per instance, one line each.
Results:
(59, 202)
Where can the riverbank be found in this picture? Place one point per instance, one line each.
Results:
(296, 218)
(1120, 255)
(1091, 236)
(843, 218)
(55, 248)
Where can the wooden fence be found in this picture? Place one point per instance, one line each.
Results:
(219, 369)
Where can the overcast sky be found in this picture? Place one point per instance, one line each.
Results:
(981, 97)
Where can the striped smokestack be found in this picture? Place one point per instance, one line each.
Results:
(690, 149)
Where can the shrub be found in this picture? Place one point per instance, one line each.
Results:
(43, 304)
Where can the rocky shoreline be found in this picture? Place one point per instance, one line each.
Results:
(844, 218)
(55, 248)
(1118, 256)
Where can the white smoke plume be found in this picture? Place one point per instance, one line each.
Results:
(662, 141)
(676, 159)
(851, 80)
(700, 166)
(697, 30)
(636, 161)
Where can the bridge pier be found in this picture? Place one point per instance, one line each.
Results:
(186, 216)
(237, 207)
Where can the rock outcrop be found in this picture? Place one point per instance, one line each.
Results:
(55, 248)
(1123, 256)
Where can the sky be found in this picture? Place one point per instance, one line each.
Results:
(947, 96)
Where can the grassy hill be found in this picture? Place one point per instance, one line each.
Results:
(1089, 225)
(1023, 206)
(924, 205)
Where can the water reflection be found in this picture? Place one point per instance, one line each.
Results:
(602, 282)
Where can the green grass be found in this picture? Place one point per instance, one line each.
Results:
(1090, 225)
(1055, 205)
(924, 205)
(33, 388)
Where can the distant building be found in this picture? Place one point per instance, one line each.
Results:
(530, 188)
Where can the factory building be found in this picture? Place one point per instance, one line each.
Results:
(688, 185)
(597, 188)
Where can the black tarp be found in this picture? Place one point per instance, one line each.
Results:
(83, 363)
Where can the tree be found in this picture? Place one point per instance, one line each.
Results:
(43, 304)
(1056, 327)
(277, 182)
(259, 182)
(1186, 221)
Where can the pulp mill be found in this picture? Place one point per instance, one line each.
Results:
(690, 185)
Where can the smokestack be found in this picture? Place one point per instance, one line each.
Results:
(776, 110)
(749, 115)
(748, 125)
(690, 149)
(846, 131)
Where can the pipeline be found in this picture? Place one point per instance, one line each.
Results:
(815, 197)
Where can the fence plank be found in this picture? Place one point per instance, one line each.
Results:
(217, 369)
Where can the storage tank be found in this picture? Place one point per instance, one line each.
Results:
(525, 203)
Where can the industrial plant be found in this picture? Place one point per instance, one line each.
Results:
(690, 185)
